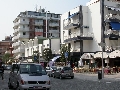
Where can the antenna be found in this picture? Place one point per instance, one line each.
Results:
(36, 7)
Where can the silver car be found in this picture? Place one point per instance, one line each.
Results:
(30, 76)
(50, 70)
(63, 72)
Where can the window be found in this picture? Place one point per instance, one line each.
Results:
(23, 26)
(24, 33)
(23, 19)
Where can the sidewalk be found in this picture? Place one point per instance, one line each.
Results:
(94, 77)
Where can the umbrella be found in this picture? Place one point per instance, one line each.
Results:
(54, 59)
(80, 63)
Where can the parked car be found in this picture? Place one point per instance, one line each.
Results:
(63, 72)
(7, 67)
(50, 70)
(28, 76)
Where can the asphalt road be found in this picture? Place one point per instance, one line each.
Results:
(80, 82)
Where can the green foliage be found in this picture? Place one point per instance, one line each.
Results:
(47, 54)
(63, 49)
(35, 53)
(6, 57)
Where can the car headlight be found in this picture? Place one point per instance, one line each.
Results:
(23, 82)
(48, 82)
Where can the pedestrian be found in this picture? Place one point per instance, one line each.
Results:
(1, 70)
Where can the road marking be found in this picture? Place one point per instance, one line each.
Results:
(108, 82)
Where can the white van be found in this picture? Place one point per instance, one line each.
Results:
(28, 76)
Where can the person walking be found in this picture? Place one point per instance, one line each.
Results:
(1, 71)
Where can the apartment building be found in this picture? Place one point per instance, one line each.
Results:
(6, 45)
(29, 24)
(81, 29)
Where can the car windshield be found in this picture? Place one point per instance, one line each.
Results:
(54, 68)
(67, 68)
(31, 69)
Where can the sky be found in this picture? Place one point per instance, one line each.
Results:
(11, 8)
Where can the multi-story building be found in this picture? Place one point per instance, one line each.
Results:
(29, 24)
(84, 27)
(6, 45)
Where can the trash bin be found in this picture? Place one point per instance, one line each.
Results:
(99, 74)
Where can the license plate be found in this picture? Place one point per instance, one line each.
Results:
(67, 74)
(37, 86)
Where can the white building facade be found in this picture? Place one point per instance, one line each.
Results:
(81, 28)
(29, 24)
(39, 44)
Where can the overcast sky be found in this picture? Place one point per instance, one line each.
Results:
(11, 8)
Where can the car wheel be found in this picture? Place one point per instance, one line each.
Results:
(61, 77)
(9, 85)
(17, 88)
(72, 77)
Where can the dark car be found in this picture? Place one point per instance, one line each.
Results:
(63, 72)
(7, 67)
(50, 70)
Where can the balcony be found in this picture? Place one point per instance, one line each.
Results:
(112, 34)
(23, 29)
(16, 44)
(70, 24)
(38, 23)
(77, 37)
(33, 16)
(38, 30)
(21, 37)
(20, 50)
(54, 24)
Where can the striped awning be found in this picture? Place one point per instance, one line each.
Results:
(99, 55)
(114, 54)
(87, 56)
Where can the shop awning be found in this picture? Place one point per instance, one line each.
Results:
(72, 15)
(114, 54)
(113, 8)
(87, 56)
(99, 55)
(115, 25)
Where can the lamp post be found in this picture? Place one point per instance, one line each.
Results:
(46, 23)
(39, 57)
(102, 45)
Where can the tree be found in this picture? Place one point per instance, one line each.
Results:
(6, 57)
(47, 54)
(63, 49)
(35, 56)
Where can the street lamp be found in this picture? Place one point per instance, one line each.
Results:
(46, 22)
(102, 45)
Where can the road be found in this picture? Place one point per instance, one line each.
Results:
(80, 82)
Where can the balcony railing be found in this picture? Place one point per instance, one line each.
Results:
(67, 24)
(38, 30)
(39, 23)
(54, 24)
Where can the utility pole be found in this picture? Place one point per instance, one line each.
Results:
(102, 32)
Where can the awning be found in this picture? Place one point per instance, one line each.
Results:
(115, 25)
(72, 15)
(55, 58)
(114, 54)
(113, 8)
(99, 55)
(87, 56)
